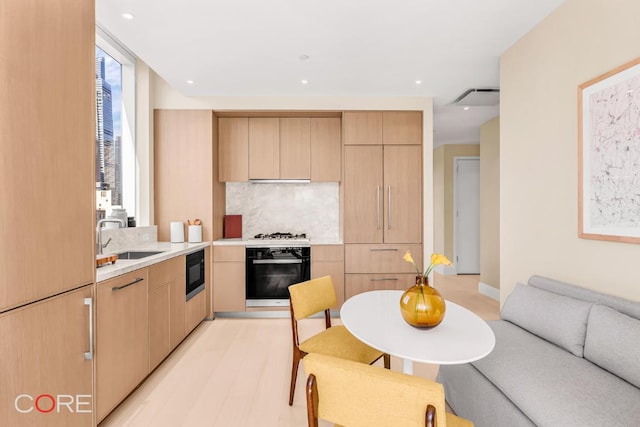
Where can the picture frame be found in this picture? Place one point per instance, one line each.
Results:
(609, 155)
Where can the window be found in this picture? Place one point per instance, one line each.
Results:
(115, 120)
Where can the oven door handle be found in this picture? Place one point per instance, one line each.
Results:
(277, 261)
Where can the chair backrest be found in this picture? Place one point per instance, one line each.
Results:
(312, 296)
(355, 394)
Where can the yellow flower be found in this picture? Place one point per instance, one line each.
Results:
(436, 259)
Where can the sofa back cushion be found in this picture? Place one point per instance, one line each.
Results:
(556, 318)
(613, 343)
(628, 307)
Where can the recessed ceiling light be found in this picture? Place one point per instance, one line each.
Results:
(190, 82)
(418, 82)
(127, 15)
(466, 108)
(304, 82)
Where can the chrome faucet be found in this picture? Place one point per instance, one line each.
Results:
(99, 245)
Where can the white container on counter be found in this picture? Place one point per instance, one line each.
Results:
(195, 233)
(177, 232)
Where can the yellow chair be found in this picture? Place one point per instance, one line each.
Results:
(309, 298)
(357, 395)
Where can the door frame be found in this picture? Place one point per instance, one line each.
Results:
(455, 206)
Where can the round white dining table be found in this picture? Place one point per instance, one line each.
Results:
(374, 318)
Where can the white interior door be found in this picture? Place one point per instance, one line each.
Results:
(467, 215)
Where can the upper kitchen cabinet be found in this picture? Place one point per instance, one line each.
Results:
(184, 147)
(402, 127)
(264, 148)
(295, 148)
(47, 143)
(233, 149)
(326, 149)
(362, 127)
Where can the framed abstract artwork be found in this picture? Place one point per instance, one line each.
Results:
(609, 155)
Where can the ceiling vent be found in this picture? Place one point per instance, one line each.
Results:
(478, 97)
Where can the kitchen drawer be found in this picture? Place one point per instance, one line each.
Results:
(357, 283)
(369, 258)
(327, 253)
(228, 253)
(166, 271)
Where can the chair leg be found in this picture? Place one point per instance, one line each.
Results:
(297, 356)
(387, 361)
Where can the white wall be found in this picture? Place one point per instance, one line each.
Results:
(165, 96)
(540, 74)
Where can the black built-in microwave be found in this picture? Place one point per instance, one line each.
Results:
(195, 273)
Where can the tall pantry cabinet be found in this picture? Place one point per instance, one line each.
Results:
(382, 198)
(47, 268)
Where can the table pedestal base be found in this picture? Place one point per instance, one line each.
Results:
(407, 366)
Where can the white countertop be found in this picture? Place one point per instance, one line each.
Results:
(169, 250)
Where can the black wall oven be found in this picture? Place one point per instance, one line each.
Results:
(195, 273)
(270, 271)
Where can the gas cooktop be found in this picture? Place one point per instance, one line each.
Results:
(279, 239)
(279, 236)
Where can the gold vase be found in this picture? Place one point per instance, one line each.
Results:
(421, 305)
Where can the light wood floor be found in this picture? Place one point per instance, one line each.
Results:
(235, 372)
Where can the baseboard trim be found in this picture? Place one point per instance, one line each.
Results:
(489, 291)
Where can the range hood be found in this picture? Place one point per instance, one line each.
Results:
(280, 181)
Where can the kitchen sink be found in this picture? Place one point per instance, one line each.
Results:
(137, 254)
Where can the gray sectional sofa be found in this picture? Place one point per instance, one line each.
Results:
(564, 356)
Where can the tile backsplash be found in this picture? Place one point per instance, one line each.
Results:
(296, 208)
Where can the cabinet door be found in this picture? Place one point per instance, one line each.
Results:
(295, 148)
(328, 260)
(42, 352)
(122, 333)
(159, 325)
(183, 168)
(229, 278)
(177, 297)
(195, 312)
(402, 194)
(363, 193)
(362, 127)
(233, 149)
(402, 127)
(264, 148)
(384, 258)
(47, 125)
(326, 149)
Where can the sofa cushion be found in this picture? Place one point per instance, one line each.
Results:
(554, 388)
(613, 343)
(557, 318)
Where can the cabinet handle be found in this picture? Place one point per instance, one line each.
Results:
(88, 355)
(383, 249)
(389, 207)
(377, 207)
(383, 279)
(117, 288)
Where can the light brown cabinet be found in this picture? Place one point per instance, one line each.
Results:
(358, 283)
(382, 127)
(383, 194)
(122, 333)
(328, 260)
(165, 279)
(362, 127)
(264, 148)
(233, 149)
(43, 347)
(196, 307)
(46, 198)
(326, 149)
(183, 171)
(295, 148)
(229, 278)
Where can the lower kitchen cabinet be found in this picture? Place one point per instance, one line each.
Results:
(229, 278)
(328, 260)
(358, 283)
(122, 333)
(166, 308)
(43, 358)
(195, 312)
